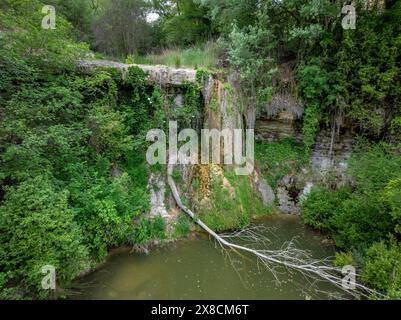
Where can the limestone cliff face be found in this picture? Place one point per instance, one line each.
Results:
(279, 119)
(277, 127)
(282, 118)
(332, 152)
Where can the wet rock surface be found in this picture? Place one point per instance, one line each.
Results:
(157, 188)
(265, 190)
(288, 192)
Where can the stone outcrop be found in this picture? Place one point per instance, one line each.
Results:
(332, 153)
(276, 128)
(157, 187)
(265, 190)
(288, 193)
(161, 75)
(279, 119)
(328, 167)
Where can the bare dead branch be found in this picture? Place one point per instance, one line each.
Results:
(288, 255)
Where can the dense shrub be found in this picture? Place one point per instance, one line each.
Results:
(361, 220)
(182, 226)
(382, 268)
(149, 229)
(365, 221)
(321, 205)
(38, 228)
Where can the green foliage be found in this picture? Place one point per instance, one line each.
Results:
(53, 50)
(188, 114)
(370, 212)
(248, 54)
(142, 106)
(181, 227)
(371, 73)
(317, 94)
(343, 259)
(38, 228)
(186, 23)
(360, 221)
(319, 208)
(382, 268)
(277, 159)
(392, 197)
(225, 13)
(373, 166)
(202, 75)
(106, 209)
(72, 176)
(149, 229)
(227, 211)
(79, 13)
(119, 28)
(310, 126)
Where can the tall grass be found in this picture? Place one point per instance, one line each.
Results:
(205, 56)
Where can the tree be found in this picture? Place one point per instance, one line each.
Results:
(121, 28)
(185, 23)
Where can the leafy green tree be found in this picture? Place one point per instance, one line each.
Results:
(226, 13)
(120, 28)
(185, 23)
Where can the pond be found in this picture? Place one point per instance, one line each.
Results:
(198, 268)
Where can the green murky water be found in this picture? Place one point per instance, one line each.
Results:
(199, 269)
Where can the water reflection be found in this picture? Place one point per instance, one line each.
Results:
(200, 269)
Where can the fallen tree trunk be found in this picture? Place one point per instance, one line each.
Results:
(288, 257)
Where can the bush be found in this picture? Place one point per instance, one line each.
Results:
(366, 217)
(37, 228)
(382, 268)
(392, 198)
(361, 220)
(149, 229)
(321, 205)
(181, 227)
(343, 259)
(370, 212)
(71, 180)
(373, 166)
